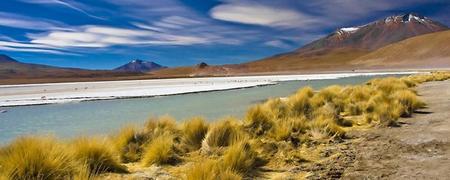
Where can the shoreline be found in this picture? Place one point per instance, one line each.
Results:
(55, 93)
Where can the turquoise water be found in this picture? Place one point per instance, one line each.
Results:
(106, 116)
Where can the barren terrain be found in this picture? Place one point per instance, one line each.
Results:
(418, 149)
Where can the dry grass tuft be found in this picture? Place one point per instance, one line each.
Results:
(388, 85)
(258, 120)
(224, 133)
(289, 129)
(97, 154)
(194, 131)
(409, 101)
(324, 126)
(299, 103)
(163, 125)
(204, 170)
(210, 169)
(128, 142)
(160, 151)
(37, 158)
(240, 158)
(385, 114)
(278, 109)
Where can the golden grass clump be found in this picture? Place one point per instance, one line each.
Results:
(356, 99)
(282, 130)
(385, 114)
(37, 158)
(203, 170)
(194, 131)
(325, 126)
(98, 154)
(224, 133)
(388, 85)
(258, 120)
(289, 129)
(330, 95)
(299, 103)
(155, 127)
(409, 82)
(240, 158)
(128, 142)
(277, 107)
(210, 169)
(160, 151)
(409, 101)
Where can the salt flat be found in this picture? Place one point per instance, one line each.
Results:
(35, 94)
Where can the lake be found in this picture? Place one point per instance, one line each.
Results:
(106, 116)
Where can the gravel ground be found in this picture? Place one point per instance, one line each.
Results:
(418, 149)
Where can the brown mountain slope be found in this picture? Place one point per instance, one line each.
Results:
(426, 51)
(375, 34)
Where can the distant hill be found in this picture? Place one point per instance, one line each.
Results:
(12, 70)
(139, 66)
(6, 59)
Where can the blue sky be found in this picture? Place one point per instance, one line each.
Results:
(103, 34)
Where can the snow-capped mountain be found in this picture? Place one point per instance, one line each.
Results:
(139, 66)
(376, 34)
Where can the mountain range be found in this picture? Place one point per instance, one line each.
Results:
(407, 41)
(15, 72)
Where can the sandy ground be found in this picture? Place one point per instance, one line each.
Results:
(418, 149)
(34, 94)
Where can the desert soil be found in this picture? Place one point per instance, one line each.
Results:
(418, 149)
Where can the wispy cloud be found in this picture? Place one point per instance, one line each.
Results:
(103, 36)
(259, 14)
(277, 43)
(25, 22)
(27, 47)
(77, 6)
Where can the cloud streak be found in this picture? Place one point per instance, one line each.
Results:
(93, 36)
(258, 14)
(17, 46)
(25, 22)
(277, 44)
(68, 4)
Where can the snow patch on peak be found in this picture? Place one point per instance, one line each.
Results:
(342, 31)
(350, 29)
(417, 18)
(137, 61)
(406, 18)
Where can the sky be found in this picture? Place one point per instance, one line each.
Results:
(103, 34)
